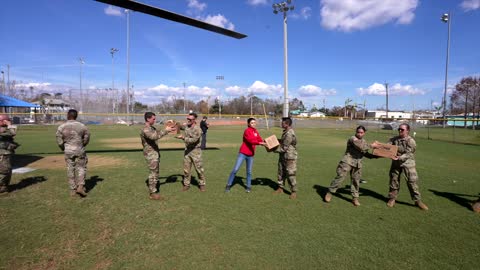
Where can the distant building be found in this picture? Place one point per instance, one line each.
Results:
(379, 115)
(317, 114)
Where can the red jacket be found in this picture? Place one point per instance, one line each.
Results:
(251, 138)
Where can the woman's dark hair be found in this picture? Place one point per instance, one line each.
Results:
(361, 127)
(250, 120)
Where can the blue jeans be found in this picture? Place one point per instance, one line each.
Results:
(241, 157)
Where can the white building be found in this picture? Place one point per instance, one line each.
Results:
(378, 115)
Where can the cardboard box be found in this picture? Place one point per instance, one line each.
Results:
(172, 123)
(271, 142)
(386, 150)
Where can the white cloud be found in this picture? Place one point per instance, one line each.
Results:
(163, 90)
(350, 15)
(469, 5)
(397, 89)
(219, 20)
(304, 13)
(196, 6)
(235, 90)
(113, 11)
(257, 88)
(257, 2)
(312, 91)
(261, 88)
(36, 86)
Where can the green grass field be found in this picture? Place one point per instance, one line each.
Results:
(118, 227)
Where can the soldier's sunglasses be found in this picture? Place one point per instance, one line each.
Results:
(401, 129)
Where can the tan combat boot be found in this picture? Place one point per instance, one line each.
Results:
(328, 197)
(391, 203)
(355, 202)
(155, 196)
(476, 206)
(278, 191)
(421, 205)
(73, 192)
(3, 189)
(293, 196)
(185, 188)
(81, 191)
(203, 188)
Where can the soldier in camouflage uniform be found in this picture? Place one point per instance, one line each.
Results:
(351, 162)
(193, 153)
(7, 148)
(287, 160)
(404, 162)
(149, 136)
(72, 137)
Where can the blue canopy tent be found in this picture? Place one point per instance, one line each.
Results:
(7, 101)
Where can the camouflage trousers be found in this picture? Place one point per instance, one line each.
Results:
(153, 163)
(193, 157)
(76, 169)
(343, 169)
(5, 170)
(287, 169)
(411, 177)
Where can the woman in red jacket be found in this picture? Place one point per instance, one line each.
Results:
(251, 138)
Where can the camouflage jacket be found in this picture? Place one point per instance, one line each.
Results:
(72, 137)
(7, 145)
(288, 145)
(192, 137)
(406, 150)
(356, 149)
(149, 136)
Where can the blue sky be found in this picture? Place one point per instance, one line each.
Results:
(337, 49)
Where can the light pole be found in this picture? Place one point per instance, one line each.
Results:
(112, 52)
(219, 78)
(3, 82)
(128, 61)
(184, 111)
(386, 95)
(80, 59)
(283, 7)
(446, 18)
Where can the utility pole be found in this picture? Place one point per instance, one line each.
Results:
(3, 82)
(80, 59)
(128, 61)
(112, 52)
(386, 95)
(8, 79)
(184, 109)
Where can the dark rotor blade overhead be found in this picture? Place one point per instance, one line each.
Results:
(165, 14)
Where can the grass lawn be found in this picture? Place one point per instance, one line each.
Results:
(118, 227)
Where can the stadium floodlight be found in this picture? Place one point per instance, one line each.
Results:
(446, 18)
(284, 7)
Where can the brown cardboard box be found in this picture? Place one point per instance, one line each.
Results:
(172, 123)
(386, 150)
(271, 142)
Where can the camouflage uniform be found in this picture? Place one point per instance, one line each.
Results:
(351, 163)
(287, 160)
(193, 154)
(405, 164)
(7, 148)
(151, 152)
(72, 137)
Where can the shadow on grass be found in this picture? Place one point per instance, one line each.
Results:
(345, 193)
(92, 182)
(26, 182)
(19, 161)
(457, 198)
(120, 151)
(255, 182)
